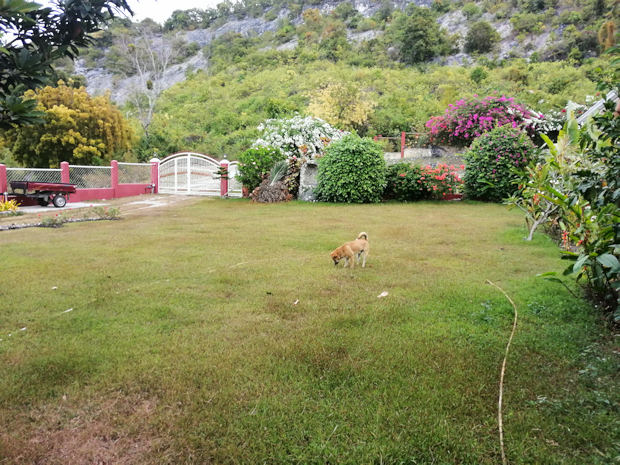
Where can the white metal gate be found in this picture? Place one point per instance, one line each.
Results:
(189, 173)
(235, 189)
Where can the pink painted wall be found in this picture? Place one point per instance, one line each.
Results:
(3, 181)
(83, 195)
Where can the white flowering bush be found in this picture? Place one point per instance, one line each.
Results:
(552, 121)
(545, 124)
(298, 137)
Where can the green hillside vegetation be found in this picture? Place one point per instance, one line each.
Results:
(218, 114)
(575, 24)
(393, 77)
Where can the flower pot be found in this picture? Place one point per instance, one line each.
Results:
(245, 192)
(452, 197)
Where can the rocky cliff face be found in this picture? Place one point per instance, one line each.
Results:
(100, 80)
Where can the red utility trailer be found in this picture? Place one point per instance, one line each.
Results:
(57, 192)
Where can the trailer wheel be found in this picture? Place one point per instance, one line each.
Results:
(59, 201)
(43, 201)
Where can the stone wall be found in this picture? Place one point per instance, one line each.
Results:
(308, 181)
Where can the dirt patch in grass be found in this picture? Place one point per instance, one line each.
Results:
(142, 205)
(116, 430)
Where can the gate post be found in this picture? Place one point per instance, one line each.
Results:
(64, 172)
(402, 145)
(3, 182)
(224, 178)
(155, 174)
(114, 177)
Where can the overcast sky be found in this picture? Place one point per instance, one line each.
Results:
(160, 10)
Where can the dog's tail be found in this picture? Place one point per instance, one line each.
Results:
(362, 235)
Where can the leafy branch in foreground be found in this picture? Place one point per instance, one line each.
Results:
(32, 37)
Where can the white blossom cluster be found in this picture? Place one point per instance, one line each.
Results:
(298, 137)
(544, 124)
(553, 120)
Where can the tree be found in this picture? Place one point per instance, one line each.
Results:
(76, 128)
(416, 35)
(481, 38)
(185, 19)
(607, 35)
(148, 55)
(343, 105)
(348, 14)
(33, 37)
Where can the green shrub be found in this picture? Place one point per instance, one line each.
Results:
(255, 163)
(570, 17)
(528, 22)
(481, 37)
(352, 171)
(471, 10)
(405, 183)
(478, 74)
(496, 162)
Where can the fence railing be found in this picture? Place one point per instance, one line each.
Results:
(91, 177)
(33, 174)
(122, 179)
(407, 140)
(134, 173)
(92, 182)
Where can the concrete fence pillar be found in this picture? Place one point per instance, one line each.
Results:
(155, 174)
(3, 183)
(402, 145)
(224, 178)
(114, 177)
(64, 172)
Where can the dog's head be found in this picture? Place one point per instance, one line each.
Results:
(336, 257)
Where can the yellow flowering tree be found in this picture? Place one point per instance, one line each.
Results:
(77, 128)
(343, 105)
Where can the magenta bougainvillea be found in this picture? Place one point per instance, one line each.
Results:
(467, 119)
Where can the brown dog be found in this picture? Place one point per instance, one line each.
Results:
(352, 250)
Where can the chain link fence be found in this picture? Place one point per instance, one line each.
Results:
(134, 173)
(32, 174)
(90, 177)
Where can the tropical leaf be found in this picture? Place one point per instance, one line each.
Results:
(550, 145)
(610, 261)
(278, 172)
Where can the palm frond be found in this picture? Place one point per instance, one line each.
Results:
(278, 172)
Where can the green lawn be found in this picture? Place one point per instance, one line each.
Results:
(184, 344)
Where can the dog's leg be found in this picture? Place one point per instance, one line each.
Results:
(350, 257)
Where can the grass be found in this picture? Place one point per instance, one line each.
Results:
(184, 343)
